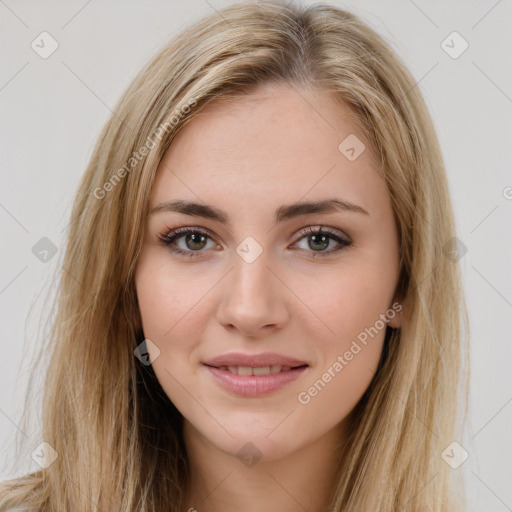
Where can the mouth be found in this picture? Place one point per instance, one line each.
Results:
(254, 375)
(258, 370)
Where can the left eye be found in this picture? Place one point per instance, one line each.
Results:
(196, 239)
(319, 239)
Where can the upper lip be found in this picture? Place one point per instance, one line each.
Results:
(253, 360)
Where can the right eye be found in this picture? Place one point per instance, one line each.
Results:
(195, 240)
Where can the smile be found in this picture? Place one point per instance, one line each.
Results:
(254, 375)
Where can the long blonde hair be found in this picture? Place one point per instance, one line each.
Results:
(117, 435)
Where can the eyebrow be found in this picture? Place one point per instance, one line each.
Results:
(282, 213)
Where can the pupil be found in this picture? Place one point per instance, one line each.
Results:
(196, 239)
(322, 239)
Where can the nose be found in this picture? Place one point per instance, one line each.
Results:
(254, 299)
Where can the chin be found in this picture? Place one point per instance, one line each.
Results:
(248, 441)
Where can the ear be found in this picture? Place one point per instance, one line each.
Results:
(394, 313)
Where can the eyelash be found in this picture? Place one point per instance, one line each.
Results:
(168, 239)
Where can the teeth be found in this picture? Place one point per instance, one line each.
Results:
(261, 370)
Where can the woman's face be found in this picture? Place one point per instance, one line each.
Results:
(263, 330)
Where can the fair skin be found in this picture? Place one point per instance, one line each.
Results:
(298, 298)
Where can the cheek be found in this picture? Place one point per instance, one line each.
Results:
(347, 301)
(172, 314)
(350, 303)
(334, 391)
(351, 307)
(351, 355)
(169, 300)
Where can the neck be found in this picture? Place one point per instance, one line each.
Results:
(302, 480)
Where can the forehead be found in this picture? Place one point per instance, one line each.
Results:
(278, 140)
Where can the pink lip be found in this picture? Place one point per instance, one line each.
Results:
(254, 385)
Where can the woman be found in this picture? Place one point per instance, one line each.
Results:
(258, 309)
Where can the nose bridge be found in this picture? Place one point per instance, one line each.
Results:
(251, 277)
(252, 298)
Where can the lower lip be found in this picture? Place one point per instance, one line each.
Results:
(254, 385)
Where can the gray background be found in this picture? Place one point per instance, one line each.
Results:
(51, 111)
